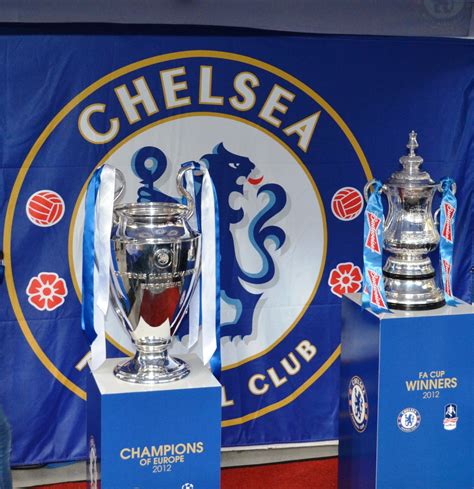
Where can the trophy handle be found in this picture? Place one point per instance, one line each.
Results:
(119, 190)
(116, 301)
(454, 187)
(367, 188)
(119, 185)
(190, 204)
(439, 188)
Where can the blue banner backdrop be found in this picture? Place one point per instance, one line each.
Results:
(291, 128)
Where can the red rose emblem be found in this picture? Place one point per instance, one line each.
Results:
(345, 278)
(47, 291)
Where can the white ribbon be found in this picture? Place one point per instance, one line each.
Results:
(195, 303)
(104, 212)
(208, 275)
(102, 253)
(203, 303)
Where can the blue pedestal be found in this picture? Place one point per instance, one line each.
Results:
(407, 394)
(159, 437)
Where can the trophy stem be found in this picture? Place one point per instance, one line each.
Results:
(152, 364)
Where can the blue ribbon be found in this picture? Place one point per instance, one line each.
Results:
(373, 293)
(216, 362)
(447, 230)
(88, 257)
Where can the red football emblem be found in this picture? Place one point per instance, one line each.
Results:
(45, 208)
(347, 203)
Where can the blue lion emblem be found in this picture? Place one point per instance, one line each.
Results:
(229, 172)
(409, 419)
(358, 404)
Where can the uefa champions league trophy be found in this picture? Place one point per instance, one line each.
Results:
(410, 233)
(156, 264)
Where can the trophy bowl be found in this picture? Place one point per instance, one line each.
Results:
(156, 259)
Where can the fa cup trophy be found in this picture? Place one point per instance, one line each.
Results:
(410, 233)
(156, 263)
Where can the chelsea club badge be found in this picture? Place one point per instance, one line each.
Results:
(409, 420)
(358, 404)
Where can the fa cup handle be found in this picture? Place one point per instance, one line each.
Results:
(440, 190)
(454, 187)
(367, 187)
(190, 204)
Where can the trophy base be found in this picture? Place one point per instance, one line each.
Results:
(413, 294)
(410, 284)
(415, 307)
(159, 368)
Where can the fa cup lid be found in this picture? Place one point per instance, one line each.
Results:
(410, 175)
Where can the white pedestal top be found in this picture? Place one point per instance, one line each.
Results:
(199, 377)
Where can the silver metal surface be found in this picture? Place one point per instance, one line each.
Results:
(120, 185)
(410, 234)
(157, 259)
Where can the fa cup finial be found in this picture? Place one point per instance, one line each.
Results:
(411, 161)
(412, 143)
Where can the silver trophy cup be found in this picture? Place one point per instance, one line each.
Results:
(156, 264)
(410, 234)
